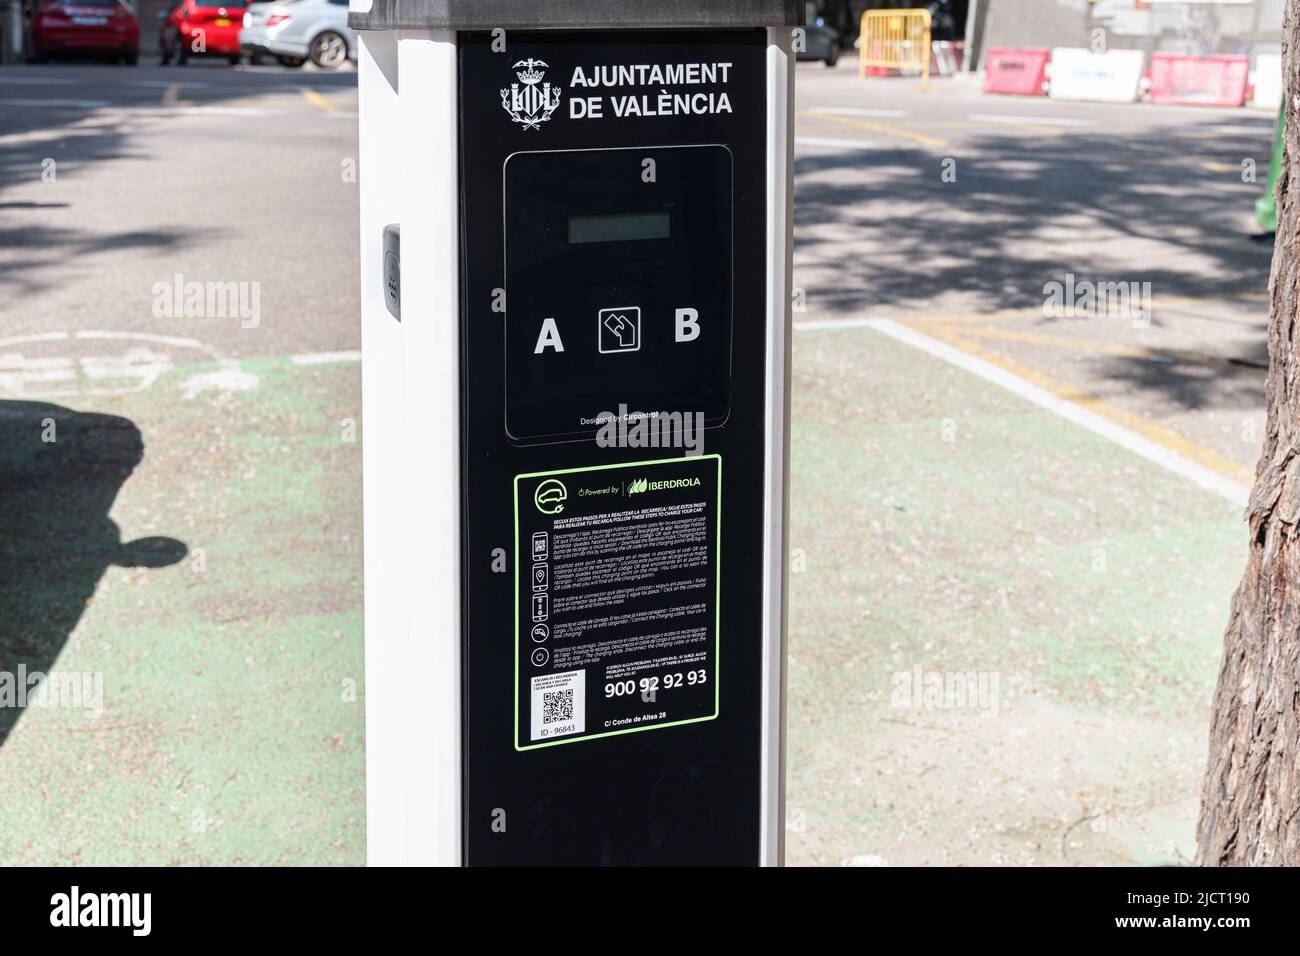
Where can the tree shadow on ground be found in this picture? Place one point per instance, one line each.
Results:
(60, 472)
(35, 146)
(880, 231)
(1018, 217)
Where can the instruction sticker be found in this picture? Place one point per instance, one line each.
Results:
(616, 599)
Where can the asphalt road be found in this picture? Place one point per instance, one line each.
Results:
(1038, 191)
(205, 172)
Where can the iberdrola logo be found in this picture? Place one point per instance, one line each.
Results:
(636, 486)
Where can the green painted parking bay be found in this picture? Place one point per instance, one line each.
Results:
(940, 526)
(1003, 628)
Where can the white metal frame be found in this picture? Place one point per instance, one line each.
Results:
(780, 222)
(411, 398)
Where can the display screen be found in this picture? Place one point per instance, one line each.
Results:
(647, 225)
(619, 289)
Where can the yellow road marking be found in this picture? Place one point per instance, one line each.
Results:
(315, 99)
(884, 128)
(171, 96)
(1031, 313)
(1161, 436)
(1106, 348)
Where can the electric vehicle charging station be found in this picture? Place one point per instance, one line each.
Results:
(576, 428)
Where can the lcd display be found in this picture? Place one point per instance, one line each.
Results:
(625, 228)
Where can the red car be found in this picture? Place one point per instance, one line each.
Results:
(85, 26)
(201, 28)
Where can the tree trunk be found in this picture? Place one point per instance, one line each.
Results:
(1250, 805)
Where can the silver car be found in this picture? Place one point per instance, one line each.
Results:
(294, 30)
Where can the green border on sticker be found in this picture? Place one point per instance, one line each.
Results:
(717, 604)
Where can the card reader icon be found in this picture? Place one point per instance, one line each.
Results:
(619, 329)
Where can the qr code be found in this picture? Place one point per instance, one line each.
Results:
(557, 706)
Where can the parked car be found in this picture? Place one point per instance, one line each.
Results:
(314, 29)
(200, 28)
(104, 27)
(820, 42)
(946, 21)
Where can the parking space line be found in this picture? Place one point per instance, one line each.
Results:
(171, 96)
(884, 128)
(55, 103)
(1098, 346)
(315, 99)
(155, 84)
(325, 358)
(1180, 305)
(833, 143)
(191, 110)
(1234, 130)
(1030, 121)
(1200, 465)
(9, 80)
(856, 111)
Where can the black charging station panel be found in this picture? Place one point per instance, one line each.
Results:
(613, 229)
(626, 253)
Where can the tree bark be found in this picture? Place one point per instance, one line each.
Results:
(1250, 804)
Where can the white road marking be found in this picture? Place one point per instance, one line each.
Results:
(854, 111)
(832, 143)
(1035, 120)
(218, 110)
(177, 340)
(167, 84)
(54, 103)
(132, 370)
(325, 358)
(144, 360)
(135, 370)
(8, 79)
(229, 378)
(1261, 130)
(38, 337)
(1104, 427)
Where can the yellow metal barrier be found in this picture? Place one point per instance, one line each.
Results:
(895, 40)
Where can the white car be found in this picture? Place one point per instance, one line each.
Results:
(294, 30)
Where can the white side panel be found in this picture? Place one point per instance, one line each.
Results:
(431, 446)
(780, 222)
(379, 134)
(1268, 81)
(1110, 77)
